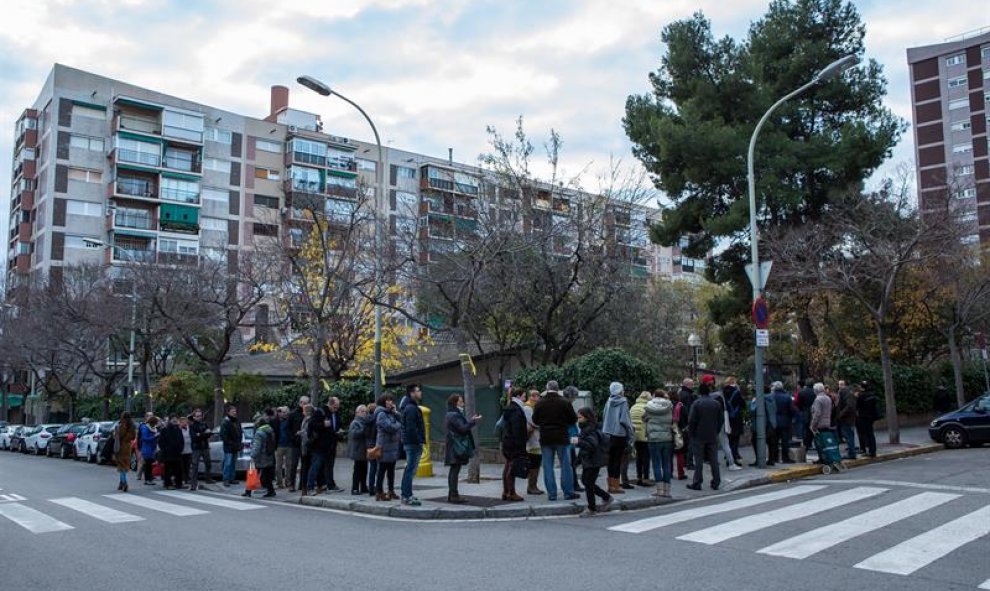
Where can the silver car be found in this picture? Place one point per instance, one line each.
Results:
(216, 451)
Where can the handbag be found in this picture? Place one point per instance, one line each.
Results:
(157, 469)
(253, 480)
(462, 448)
(728, 426)
(678, 437)
(520, 467)
(374, 453)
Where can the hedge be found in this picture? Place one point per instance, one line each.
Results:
(913, 385)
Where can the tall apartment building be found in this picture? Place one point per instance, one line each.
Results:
(161, 178)
(950, 92)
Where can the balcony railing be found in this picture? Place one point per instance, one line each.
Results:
(179, 195)
(135, 187)
(139, 124)
(183, 163)
(135, 254)
(306, 158)
(133, 156)
(130, 220)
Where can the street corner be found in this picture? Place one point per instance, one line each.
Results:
(806, 470)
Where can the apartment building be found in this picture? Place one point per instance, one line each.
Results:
(950, 93)
(109, 171)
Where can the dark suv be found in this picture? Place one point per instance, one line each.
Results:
(968, 425)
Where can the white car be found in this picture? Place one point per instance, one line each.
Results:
(88, 442)
(5, 433)
(37, 441)
(243, 460)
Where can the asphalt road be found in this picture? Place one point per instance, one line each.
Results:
(887, 519)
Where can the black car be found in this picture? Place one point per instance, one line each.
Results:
(968, 425)
(63, 442)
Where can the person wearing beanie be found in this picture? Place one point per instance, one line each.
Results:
(636, 413)
(618, 426)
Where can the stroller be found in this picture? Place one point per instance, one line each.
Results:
(829, 455)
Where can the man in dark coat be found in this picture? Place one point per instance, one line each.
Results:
(199, 434)
(232, 438)
(515, 433)
(334, 425)
(867, 412)
(170, 442)
(705, 421)
(319, 445)
(805, 398)
(295, 455)
(554, 415)
(413, 439)
(686, 397)
(845, 418)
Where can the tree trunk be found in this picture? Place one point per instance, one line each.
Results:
(470, 404)
(218, 401)
(105, 410)
(893, 430)
(314, 370)
(957, 374)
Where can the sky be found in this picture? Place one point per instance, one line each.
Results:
(431, 73)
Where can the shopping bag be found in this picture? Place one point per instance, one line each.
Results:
(253, 481)
(157, 469)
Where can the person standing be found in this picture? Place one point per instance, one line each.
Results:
(186, 447)
(570, 394)
(734, 402)
(705, 422)
(459, 445)
(845, 418)
(334, 426)
(233, 440)
(283, 450)
(295, 453)
(370, 437)
(592, 454)
(318, 435)
(680, 425)
(618, 426)
(515, 437)
(357, 451)
(305, 449)
(148, 443)
(413, 439)
(170, 443)
(686, 397)
(784, 404)
(123, 438)
(709, 389)
(389, 438)
(553, 416)
(199, 435)
(532, 445)
(658, 423)
(867, 413)
(263, 447)
(636, 413)
(770, 427)
(805, 398)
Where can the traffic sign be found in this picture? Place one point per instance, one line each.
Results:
(762, 338)
(765, 267)
(761, 313)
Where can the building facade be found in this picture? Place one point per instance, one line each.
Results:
(108, 171)
(950, 94)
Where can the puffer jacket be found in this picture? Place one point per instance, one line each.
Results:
(636, 416)
(592, 447)
(616, 422)
(658, 420)
(389, 434)
(356, 442)
(262, 458)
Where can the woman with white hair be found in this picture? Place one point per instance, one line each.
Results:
(357, 450)
(821, 410)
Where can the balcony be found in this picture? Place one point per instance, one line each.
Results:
(307, 158)
(134, 221)
(135, 157)
(24, 232)
(127, 253)
(145, 124)
(343, 164)
(146, 188)
(180, 195)
(183, 161)
(342, 191)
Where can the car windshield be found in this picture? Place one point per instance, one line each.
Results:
(248, 432)
(78, 429)
(52, 429)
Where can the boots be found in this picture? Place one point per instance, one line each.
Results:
(614, 488)
(658, 492)
(532, 488)
(666, 489)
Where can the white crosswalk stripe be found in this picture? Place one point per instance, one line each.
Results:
(32, 520)
(816, 540)
(922, 550)
(96, 511)
(659, 521)
(758, 521)
(207, 500)
(985, 585)
(155, 505)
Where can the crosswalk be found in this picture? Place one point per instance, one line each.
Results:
(864, 515)
(108, 509)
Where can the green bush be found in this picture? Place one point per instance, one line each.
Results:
(913, 385)
(974, 382)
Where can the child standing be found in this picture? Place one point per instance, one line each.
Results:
(593, 454)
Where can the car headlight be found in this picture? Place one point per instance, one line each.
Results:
(934, 423)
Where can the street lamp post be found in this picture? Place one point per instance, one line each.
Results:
(694, 342)
(323, 89)
(130, 353)
(830, 71)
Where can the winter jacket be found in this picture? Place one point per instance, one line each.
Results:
(295, 426)
(845, 413)
(357, 447)
(592, 447)
(260, 455)
(200, 433)
(636, 416)
(322, 439)
(686, 397)
(785, 407)
(705, 420)
(733, 398)
(389, 434)
(533, 440)
(553, 414)
(515, 430)
(170, 442)
(868, 407)
(616, 421)
(658, 420)
(457, 425)
(148, 440)
(283, 432)
(413, 430)
(805, 398)
(230, 434)
(821, 412)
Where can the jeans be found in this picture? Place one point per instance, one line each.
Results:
(849, 434)
(229, 466)
(282, 455)
(372, 473)
(315, 469)
(198, 454)
(563, 453)
(413, 453)
(295, 456)
(591, 488)
(661, 455)
(616, 447)
(643, 461)
(706, 452)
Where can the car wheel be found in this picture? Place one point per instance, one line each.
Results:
(954, 437)
(91, 456)
(65, 454)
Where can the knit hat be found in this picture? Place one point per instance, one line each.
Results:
(615, 388)
(708, 379)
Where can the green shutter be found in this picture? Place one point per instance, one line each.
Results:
(90, 105)
(139, 138)
(343, 173)
(137, 103)
(178, 216)
(180, 176)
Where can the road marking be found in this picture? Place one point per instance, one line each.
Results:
(942, 487)
(650, 523)
(816, 540)
(32, 520)
(145, 502)
(922, 550)
(985, 585)
(758, 521)
(96, 511)
(11, 498)
(228, 504)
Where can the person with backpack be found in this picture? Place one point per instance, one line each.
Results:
(123, 438)
(263, 447)
(867, 413)
(459, 444)
(593, 453)
(514, 439)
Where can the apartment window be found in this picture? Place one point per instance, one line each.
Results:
(171, 245)
(965, 194)
(210, 194)
(266, 201)
(180, 190)
(75, 207)
(90, 112)
(365, 164)
(404, 172)
(181, 159)
(182, 125)
(85, 175)
(986, 73)
(78, 242)
(967, 218)
(958, 104)
(213, 224)
(957, 82)
(269, 146)
(266, 173)
(340, 159)
(956, 60)
(217, 165)
(965, 170)
(221, 136)
(265, 230)
(308, 151)
(985, 52)
(962, 148)
(86, 142)
(129, 150)
(961, 126)
(132, 217)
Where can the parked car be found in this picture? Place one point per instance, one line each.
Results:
(968, 425)
(243, 458)
(88, 442)
(17, 438)
(6, 433)
(37, 440)
(63, 442)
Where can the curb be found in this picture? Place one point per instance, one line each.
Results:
(816, 469)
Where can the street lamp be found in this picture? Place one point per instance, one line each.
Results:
(828, 72)
(94, 243)
(323, 89)
(694, 342)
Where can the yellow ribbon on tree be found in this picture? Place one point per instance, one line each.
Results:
(467, 361)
